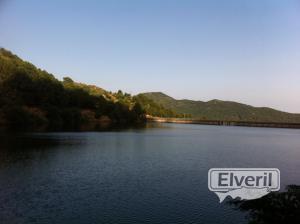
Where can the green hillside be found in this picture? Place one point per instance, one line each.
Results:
(31, 98)
(221, 110)
(155, 109)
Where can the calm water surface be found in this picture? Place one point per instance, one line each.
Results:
(152, 175)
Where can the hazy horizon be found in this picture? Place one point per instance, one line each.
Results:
(242, 51)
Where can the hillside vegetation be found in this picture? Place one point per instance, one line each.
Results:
(221, 110)
(31, 98)
(155, 109)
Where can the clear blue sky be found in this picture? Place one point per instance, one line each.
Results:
(240, 50)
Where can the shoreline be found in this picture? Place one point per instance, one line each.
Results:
(224, 123)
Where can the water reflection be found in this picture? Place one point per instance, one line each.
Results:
(276, 207)
(16, 147)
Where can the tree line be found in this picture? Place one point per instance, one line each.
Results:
(31, 98)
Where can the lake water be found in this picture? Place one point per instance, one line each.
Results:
(154, 175)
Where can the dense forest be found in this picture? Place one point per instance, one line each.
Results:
(33, 99)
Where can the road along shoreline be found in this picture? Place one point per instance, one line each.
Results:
(224, 123)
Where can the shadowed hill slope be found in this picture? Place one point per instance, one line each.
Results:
(31, 98)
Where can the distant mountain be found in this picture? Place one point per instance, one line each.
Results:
(221, 110)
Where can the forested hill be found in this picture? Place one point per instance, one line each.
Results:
(31, 98)
(221, 110)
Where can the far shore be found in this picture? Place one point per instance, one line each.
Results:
(224, 123)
